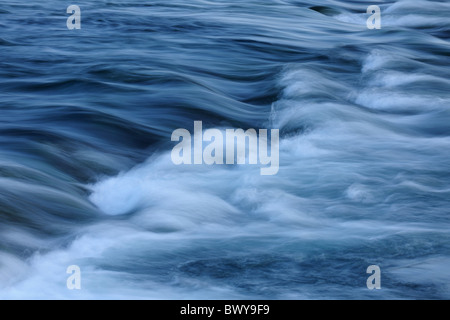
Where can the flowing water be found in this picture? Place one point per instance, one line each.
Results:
(86, 176)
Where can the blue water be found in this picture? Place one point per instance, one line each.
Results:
(85, 171)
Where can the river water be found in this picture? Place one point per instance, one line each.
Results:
(86, 176)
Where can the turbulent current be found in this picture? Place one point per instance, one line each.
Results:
(86, 176)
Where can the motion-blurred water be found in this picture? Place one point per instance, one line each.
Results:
(86, 177)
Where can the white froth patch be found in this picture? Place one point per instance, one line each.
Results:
(12, 270)
(159, 186)
(375, 61)
(359, 193)
(44, 275)
(395, 78)
(298, 82)
(383, 99)
(117, 195)
(388, 90)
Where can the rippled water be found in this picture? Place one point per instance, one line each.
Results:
(85, 171)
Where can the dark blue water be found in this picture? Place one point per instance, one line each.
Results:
(85, 171)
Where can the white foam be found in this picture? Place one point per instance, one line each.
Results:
(387, 89)
(388, 100)
(395, 78)
(12, 270)
(359, 193)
